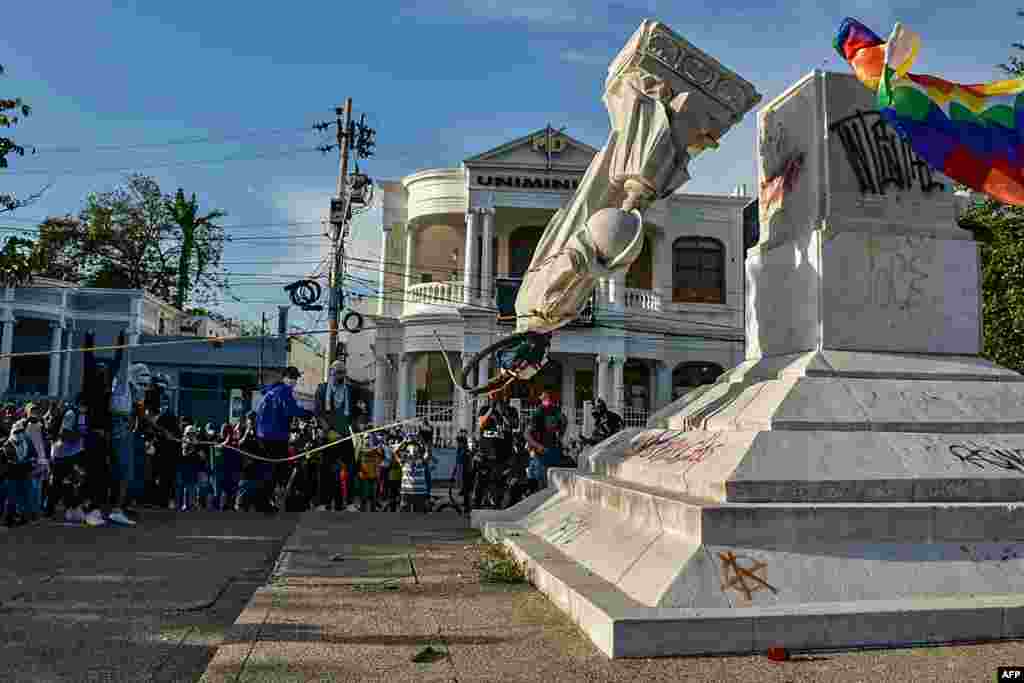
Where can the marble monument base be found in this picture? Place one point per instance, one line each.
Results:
(828, 499)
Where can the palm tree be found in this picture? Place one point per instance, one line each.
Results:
(196, 231)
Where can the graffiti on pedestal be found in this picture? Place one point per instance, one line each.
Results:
(671, 446)
(743, 580)
(879, 157)
(568, 530)
(989, 456)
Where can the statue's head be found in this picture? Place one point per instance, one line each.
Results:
(617, 236)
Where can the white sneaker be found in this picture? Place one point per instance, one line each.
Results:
(118, 517)
(74, 516)
(95, 518)
(352, 508)
(321, 508)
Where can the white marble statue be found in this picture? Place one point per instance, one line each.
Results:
(667, 102)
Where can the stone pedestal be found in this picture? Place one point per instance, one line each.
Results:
(857, 479)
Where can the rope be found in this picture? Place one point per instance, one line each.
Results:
(305, 454)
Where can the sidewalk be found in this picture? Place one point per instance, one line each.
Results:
(355, 597)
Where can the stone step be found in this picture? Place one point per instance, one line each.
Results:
(789, 524)
(825, 466)
(622, 626)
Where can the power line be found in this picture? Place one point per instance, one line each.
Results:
(139, 167)
(174, 142)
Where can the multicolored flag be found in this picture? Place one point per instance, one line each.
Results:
(970, 133)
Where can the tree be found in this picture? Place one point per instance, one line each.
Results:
(19, 260)
(129, 238)
(201, 243)
(1015, 66)
(11, 112)
(999, 229)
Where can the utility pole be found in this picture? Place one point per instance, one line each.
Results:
(353, 190)
(338, 221)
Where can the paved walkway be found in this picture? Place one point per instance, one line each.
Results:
(355, 597)
(150, 603)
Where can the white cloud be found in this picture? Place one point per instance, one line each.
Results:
(578, 57)
(539, 14)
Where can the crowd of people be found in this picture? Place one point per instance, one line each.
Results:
(114, 449)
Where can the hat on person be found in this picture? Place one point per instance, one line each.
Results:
(292, 372)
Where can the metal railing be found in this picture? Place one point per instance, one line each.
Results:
(643, 299)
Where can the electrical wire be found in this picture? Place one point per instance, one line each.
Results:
(194, 140)
(139, 167)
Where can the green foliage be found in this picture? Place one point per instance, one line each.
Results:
(12, 111)
(497, 564)
(131, 238)
(999, 229)
(201, 244)
(1015, 66)
(18, 261)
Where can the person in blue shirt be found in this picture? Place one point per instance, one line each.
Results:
(273, 428)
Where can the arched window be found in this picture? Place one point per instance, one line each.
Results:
(698, 270)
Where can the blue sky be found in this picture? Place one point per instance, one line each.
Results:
(440, 81)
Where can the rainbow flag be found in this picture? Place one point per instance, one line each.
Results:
(970, 133)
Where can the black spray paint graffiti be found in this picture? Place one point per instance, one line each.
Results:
(1010, 459)
(879, 157)
(671, 446)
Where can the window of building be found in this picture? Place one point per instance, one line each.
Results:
(698, 270)
(425, 278)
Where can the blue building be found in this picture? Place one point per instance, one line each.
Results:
(44, 327)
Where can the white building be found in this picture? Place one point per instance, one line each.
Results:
(673, 321)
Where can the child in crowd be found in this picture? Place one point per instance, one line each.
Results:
(368, 459)
(188, 466)
(393, 476)
(414, 477)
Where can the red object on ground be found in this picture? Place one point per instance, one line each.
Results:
(778, 654)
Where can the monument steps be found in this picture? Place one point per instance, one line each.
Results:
(620, 626)
(671, 558)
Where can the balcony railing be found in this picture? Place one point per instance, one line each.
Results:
(506, 290)
(448, 293)
(643, 299)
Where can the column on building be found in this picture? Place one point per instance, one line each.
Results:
(69, 340)
(410, 243)
(487, 259)
(568, 397)
(617, 292)
(381, 288)
(602, 378)
(57, 359)
(469, 257)
(664, 385)
(6, 346)
(403, 399)
(380, 389)
(618, 390)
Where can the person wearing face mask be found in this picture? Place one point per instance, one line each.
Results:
(547, 426)
(273, 421)
(334, 407)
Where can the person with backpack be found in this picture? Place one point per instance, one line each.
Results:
(21, 455)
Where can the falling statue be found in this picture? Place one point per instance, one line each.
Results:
(668, 102)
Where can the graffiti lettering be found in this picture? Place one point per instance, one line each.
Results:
(672, 446)
(572, 527)
(895, 277)
(1010, 459)
(735, 576)
(879, 157)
